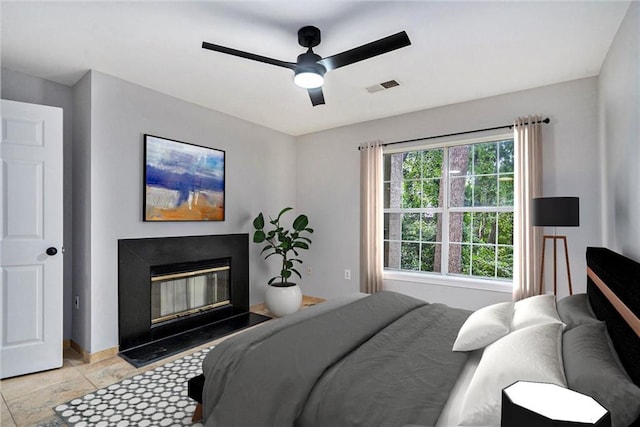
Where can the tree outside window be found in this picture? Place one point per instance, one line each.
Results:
(449, 210)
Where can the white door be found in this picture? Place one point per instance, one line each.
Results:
(31, 247)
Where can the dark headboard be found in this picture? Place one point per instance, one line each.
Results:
(613, 286)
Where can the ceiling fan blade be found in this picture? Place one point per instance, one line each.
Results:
(317, 98)
(247, 55)
(366, 51)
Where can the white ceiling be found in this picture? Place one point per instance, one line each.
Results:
(460, 51)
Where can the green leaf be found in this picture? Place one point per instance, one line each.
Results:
(258, 223)
(283, 211)
(302, 245)
(297, 272)
(258, 236)
(300, 222)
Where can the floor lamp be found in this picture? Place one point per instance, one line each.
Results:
(555, 212)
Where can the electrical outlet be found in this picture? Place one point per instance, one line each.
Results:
(347, 274)
(76, 302)
(309, 271)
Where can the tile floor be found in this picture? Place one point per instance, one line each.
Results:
(29, 400)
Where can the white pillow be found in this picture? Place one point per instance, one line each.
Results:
(529, 354)
(484, 327)
(536, 310)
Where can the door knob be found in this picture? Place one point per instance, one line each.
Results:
(52, 251)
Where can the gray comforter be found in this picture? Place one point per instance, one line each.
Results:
(381, 360)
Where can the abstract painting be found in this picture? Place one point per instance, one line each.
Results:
(182, 182)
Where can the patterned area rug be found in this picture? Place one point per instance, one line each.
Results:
(154, 398)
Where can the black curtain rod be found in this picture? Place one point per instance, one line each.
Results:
(546, 120)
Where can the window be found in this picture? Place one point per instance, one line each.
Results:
(449, 210)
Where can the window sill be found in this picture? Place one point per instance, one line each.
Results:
(454, 281)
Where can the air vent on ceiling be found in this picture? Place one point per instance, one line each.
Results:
(382, 86)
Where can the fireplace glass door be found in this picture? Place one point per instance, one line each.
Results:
(175, 295)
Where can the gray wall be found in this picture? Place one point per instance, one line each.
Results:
(21, 87)
(81, 200)
(328, 182)
(619, 87)
(260, 175)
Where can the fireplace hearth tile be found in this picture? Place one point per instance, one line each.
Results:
(148, 353)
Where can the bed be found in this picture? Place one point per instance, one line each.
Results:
(391, 360)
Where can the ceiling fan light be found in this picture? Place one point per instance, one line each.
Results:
(308, 79)
(309, 76)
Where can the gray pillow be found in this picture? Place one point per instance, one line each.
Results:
(575, 310)
(591, 368)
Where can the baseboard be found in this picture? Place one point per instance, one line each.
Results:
(93, 357)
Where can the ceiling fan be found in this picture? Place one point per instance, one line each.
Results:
(310, 68)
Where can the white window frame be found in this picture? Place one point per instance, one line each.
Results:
(444, 278)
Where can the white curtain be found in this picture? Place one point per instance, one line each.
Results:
(371, 217)
(528, 184)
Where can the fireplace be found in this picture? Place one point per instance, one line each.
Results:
(172, 286)
(188, 289)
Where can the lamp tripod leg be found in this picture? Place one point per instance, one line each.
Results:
(566, 257)
(544, 242)
(555, 265)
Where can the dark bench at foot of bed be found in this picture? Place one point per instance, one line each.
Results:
(194, 391)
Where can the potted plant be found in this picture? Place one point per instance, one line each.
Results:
(283, 297)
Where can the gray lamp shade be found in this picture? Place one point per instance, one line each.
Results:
(556, 211)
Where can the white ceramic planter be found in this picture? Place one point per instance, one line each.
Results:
(281, 301)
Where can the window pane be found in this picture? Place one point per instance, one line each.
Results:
(505, 156)
(392, 255)
(410, 256)
(485, 191)
(411, 227)
(393, 180)
(484, 227)
(430, 258)
(505, 262)
(505, 182)
(460, 160)
(386, 194)
(411, 165)
(485, 157)
(483, 261)
(505, 228)
(392, 226)
(461, 191)
(459, 259)
(412, 194)
(460, 227)
(431, 227)
(386, 165)
(432, 163)
(431, 193)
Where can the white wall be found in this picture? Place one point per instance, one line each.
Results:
(260, 175)
(328, 180)
(619, 86)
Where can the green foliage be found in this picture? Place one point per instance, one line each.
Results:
(283, 242)
(481, 178)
